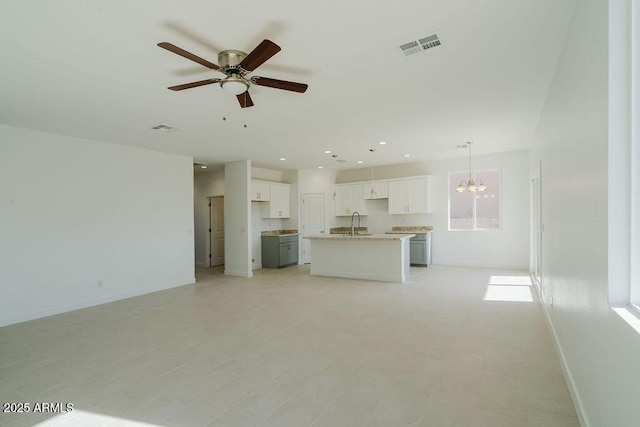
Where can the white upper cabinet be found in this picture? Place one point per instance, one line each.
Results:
(376, 190)
(260, 191)
(279, 201)
(410, 196)
(349, 199)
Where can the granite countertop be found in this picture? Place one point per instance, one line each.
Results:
(347, 230)
(394, 236)
(280, 233)
(411, 229)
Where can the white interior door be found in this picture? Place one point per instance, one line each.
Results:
(312, 221)
(216, 228)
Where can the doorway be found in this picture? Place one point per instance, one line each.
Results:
(216, 231)
(536, 230)
(312, 222)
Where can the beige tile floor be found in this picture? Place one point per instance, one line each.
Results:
(287, 349)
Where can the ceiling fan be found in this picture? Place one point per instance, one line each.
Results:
(237, 65)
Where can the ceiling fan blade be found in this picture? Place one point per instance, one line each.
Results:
(245, 99)
(280, 84)
(179, 51)
(258, 56)
(194, 84)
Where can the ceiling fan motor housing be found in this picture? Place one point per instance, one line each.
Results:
(230, 60)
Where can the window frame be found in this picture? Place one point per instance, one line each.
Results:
(624, 158)
(474, 207)
(634, 143)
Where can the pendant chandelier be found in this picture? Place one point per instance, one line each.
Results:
(470, 185)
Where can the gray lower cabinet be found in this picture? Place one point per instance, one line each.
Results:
(420, 249)
(279, 251)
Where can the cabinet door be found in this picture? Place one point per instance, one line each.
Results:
(279, 201)
(293, 253)
(376, 190)
(417, 195)
(259, 191)
(382, 190)
(398, 197)
(343, 200)
(278, 206)
(417, 253)
(285, 248)
(357, 199)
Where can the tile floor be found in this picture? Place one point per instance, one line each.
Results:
(287, 349)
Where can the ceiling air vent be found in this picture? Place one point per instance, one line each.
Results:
(420, 45)
(164, 128)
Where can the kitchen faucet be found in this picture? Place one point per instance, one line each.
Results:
(352, 218)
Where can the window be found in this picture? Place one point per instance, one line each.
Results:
(475, 210)
(624, 157)
(634, 110)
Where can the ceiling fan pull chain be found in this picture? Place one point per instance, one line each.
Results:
(244, 110)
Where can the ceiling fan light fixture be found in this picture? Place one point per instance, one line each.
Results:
(234, 84)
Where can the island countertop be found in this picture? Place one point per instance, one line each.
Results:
(369, 237)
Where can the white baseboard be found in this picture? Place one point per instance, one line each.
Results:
(356, 275)
(573, 391)
(457, 263)
(238, 273)
(78, 305)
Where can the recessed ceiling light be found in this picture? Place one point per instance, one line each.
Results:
(360, 161)
(407, 155)
(382, 142)
(203, 166)
(283, 158)
(327, 151)
(320, 167)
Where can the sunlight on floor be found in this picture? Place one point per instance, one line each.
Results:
(85, 418)
(509, 288)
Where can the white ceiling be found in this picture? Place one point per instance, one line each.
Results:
(93, 70)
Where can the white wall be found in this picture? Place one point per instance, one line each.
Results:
(84, 222)
(237, 219)
(504, 248)
(600, 352)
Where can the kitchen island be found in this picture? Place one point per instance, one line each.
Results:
(383, 257)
